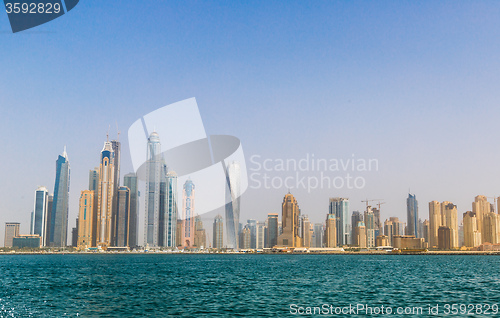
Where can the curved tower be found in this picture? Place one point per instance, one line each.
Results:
(233, 204)
(59, 216)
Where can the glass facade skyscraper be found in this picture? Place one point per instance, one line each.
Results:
(170, 224)
(130, 181)
(59, 216)
(412, 215)
(232, 204)
(340, 208)
(272, 229)
(155, 174)
(218, 234)
(39, 222)
(122, 217)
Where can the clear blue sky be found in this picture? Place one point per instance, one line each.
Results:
(413, 84)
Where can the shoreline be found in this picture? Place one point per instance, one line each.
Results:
(375, 253)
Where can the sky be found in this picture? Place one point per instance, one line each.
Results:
(413, 85)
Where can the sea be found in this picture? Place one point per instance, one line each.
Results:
(239, 285)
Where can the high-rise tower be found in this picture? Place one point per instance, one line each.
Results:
(218, 232)
(87, 218)
(116, 145)
(290, 222)
(233, 204)
(40, 211)
(105, 196)
(60, 207)
(272, 229)
(435, 221)
(188, 217)
(450, 220)
(155, 193)
(480, 207)
(412, 215)
(170, 224)
(130, 181)
(339, 207)
(122, 217)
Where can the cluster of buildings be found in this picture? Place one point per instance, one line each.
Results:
(479, 230)
(108, 211)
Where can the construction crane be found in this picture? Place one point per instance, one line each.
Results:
(379, 204)
(368, 201)
(494, 203)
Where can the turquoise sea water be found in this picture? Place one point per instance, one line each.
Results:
(240, 285)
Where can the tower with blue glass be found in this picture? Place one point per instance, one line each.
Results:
(412, 215)
(60, 207)
(340, 208)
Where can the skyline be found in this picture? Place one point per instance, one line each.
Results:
(412, 85)
(342, 204)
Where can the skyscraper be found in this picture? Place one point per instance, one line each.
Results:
(260, 235)
(171, 210)
(218, 232)
(245, 238)
(369, 222)
(155, 203)
(472, 237)
(425, 230)
(318, 233)
(178, 233)
(272, 229)
(11, 231)
(290, 223)
(116, 145)
(188, 230)
(50, 204)
(130, 181)
(39, 224)
(306, 232)
(94, 179)
(435, 221)
(340, 208)
(331, 230)
(233, 203)
(356, 217)
(87, 220)
(480, 207)
(397, 226)
(450, 220)
(388, 231)
(122, 217)
(105, 195)
(412, 215)
(252, 225)
(361, 235)
(445, 238)
(200, 235)
(491, 228)
(74, 235)
(59, 216)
